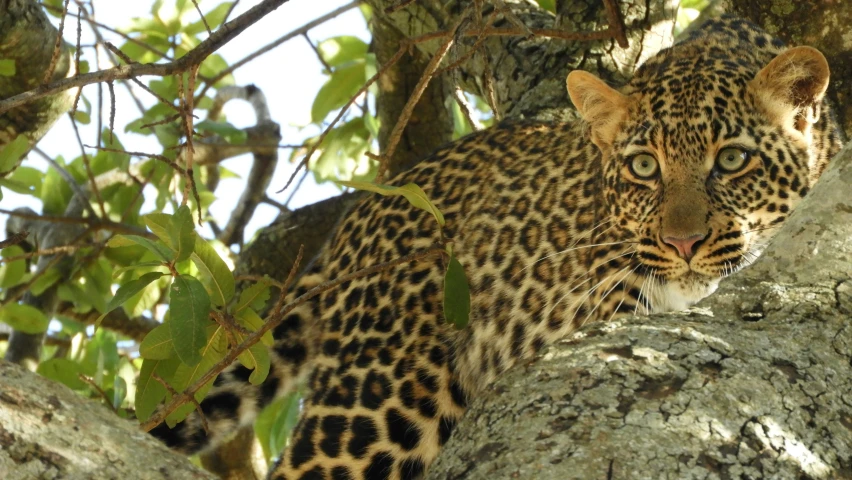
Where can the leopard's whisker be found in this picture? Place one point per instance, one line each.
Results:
(606, 294)
(760, 229)
(587, 274)
(587, 234)
(579, 302)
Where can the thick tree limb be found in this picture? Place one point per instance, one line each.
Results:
(221, 36)
(528, 74)
(24, 30)
(753, 383)
(49, 431)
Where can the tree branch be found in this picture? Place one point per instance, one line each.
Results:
(220, 37)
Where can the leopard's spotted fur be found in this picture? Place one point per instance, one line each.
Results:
(554, 231)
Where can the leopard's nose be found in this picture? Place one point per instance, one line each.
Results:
(685, 246)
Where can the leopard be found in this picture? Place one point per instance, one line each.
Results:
(662, 188)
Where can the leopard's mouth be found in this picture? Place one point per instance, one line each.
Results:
(682, 292)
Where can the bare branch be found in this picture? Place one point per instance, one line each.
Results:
(220, 37)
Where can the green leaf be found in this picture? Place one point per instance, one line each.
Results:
(160, 224)
(189, 306)
(254, 296)
(128, 290)
(25, 318)
(55, 192)
(119, 391)
(456, 294)
(24, 180)
(341, 154)
(157, 344)
(163, 252)
(276, 421)
(214, 19)
(549, 5)
(414, 194)
(11, 273)
(228, 132)
(45, 281)
(256, 358)
(344, 83)
(337, 51)
(119, 271)
(149, 392)
(219, 279)
(64, 371)
(250, 320)
(182, 233)
(186, 375)
(7, 67)
(12, 152)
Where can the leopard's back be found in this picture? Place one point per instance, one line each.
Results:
(556, 225)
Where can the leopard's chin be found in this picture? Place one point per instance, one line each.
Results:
(682, 292)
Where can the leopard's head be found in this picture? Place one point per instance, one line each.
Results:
(705, 153)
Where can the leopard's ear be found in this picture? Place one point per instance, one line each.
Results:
(792, 85)
(603, 107)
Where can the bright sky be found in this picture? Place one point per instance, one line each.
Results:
(289, 76)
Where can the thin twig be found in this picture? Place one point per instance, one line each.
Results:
(220, 37)
(461, 101)
(230, 10)
(37, 253)
(111, 110)
(490, 92)
(13, 240)
(295, 33)
(613, 16)
(206, 26)
(69, 180)
(100, 391)
(260, 279)
(174, 394)
(155, 156)
(510, 15)
(399, 5)
(94, 23)
(282, 295)
(273, 322)
(317, 53)
(408, 109)
(88, 167)
(57, 46)
(398, 55)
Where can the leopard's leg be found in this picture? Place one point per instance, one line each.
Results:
(381, 406)
(233, 402)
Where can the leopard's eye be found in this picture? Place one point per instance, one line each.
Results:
(732, 159)
(644, 166)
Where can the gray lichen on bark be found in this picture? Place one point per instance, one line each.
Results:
(27, 37)
(529, 73)
(754, 382)
(48, 431)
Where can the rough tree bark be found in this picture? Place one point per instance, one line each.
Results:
(49, 431)
(28, 38)
(754, 382)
